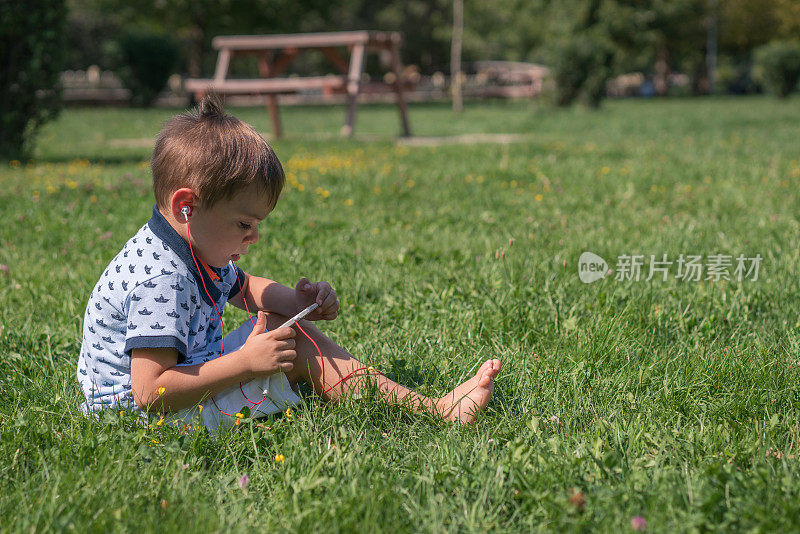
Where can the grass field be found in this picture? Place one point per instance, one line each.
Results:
(673, 400)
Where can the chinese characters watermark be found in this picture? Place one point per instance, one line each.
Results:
(686, 267)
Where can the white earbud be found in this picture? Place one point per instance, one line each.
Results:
(186, 210)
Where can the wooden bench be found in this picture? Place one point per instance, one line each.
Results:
(276, 52)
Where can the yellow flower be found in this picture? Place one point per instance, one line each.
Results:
(160, 390)
(93, 199)
(160, 421)
(371, 369)
(239, 417)
(279, 458)
(200, 408)
(605, 170)
(538, 198)
(410, 183)
(348, 202)
(289, 414)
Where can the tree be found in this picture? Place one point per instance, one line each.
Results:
(196, 22)
(455, 56)
(31, 50)
(579, 51)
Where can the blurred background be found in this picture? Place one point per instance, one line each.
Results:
(139, 52)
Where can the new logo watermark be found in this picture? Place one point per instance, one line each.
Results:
(686, 267)
(592, 267)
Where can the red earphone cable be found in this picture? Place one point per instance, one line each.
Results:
(219, 315)
(191, 250)
(244, 299)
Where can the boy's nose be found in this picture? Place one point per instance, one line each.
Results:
(252, 238)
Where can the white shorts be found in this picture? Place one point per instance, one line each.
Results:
(267, 395)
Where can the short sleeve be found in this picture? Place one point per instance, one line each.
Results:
(159, 311)
(237, 279)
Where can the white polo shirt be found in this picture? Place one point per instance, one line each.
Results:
(150, 296)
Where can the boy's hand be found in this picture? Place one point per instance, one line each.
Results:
(270, 352)
(306, 294)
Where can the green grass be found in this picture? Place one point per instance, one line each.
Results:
(678, 401)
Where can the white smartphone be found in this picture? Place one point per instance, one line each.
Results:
(300, 315)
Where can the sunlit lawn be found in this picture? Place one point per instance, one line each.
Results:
(677, 401)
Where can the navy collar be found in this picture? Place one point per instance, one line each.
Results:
(164, 231)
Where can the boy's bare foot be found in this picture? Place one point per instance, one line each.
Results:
(461, 404)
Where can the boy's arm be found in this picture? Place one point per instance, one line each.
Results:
(265, 295)
(184, 386)
(264, 353)
(270, 296)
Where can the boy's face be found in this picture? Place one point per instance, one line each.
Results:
(224, 232)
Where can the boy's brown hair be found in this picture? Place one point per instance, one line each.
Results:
(214, 154)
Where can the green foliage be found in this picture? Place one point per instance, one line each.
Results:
(745, 25)
(735, 77)
(31, 58)
(144, 61)
(580, 67)
(193, 23)
(579, 53)
(777, 66)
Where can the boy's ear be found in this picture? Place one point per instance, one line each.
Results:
(180, 198)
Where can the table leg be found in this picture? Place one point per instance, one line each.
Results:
(353, 88)
(268, 71)
(398, 89)
(272, 105)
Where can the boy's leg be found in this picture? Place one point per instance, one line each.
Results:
(460, 405)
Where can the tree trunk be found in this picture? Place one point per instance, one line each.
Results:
(662, 69)
(195, 60)
(455, 54)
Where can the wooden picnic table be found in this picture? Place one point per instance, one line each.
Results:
(276, 52)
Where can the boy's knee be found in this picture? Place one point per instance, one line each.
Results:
(274, 320)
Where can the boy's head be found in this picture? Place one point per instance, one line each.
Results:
(225, 171)
(213, 154)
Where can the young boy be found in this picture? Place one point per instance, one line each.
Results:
(153, 338)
